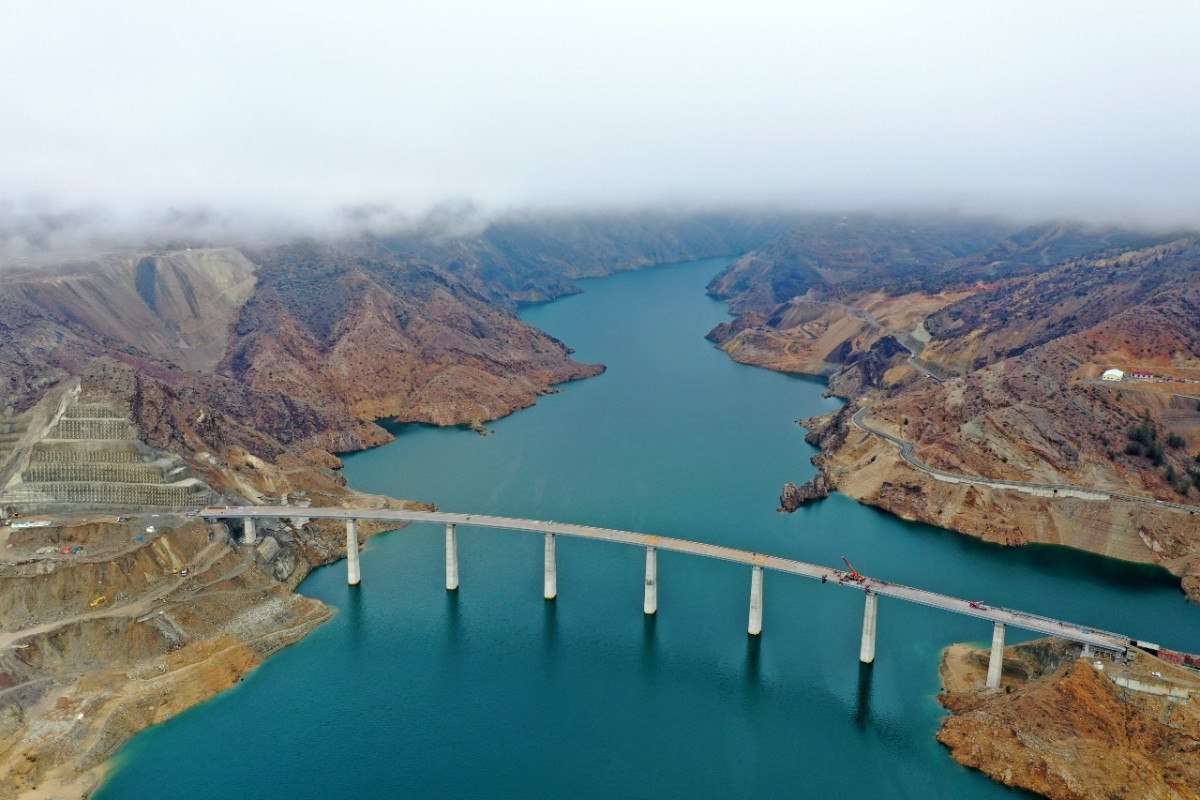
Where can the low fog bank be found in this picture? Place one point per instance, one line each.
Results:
(142, 120)
(39, 234)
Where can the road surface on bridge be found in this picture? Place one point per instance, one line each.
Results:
(1100, 639)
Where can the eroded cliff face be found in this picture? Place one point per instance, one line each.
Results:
(1064, 728)
(377, 335)
(300, 346)
(305, 348)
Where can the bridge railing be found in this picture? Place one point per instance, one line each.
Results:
(758, 562)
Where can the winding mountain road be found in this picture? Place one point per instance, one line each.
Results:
(907, 452)
(904, 338)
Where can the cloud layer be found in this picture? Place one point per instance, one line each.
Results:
(293, 110)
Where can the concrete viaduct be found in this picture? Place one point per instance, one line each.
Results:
(758, 562)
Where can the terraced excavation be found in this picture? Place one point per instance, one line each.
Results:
(91, 459)
(12, 430)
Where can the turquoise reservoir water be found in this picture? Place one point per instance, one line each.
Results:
(411, 692)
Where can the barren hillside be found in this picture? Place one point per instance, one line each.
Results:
(1000, 381)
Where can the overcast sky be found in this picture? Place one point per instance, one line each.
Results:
(296, 108)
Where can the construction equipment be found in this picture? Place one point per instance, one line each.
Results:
(854, 575)
(97, 601)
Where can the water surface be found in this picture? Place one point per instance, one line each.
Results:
(492, 692)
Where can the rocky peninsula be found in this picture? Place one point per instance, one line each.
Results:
(1072, 728)
(976, 366)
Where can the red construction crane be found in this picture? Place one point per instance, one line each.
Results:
(855, 575)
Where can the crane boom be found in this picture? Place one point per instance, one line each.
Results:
(855, 575)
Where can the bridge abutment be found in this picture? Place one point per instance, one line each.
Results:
(996, 661)
(756, 601)
(353, 576)
(866, 653)
(650, 604)
(551, 579)
(451, 558)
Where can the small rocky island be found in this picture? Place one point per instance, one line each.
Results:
(792, 496)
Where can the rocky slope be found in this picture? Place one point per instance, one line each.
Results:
(255, 365)
(532, 258)
(997, 380)
(1065, 729)
(307, 346)
(109, 624)
(95, 647)
(824, 257)
(1038, 416)
(301, 345)
(372, 334)
(1076, 297)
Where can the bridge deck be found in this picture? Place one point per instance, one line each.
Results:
(1018, 619)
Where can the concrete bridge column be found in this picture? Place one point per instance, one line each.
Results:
(551, 582)
(650, 605)
(251, 530)
(352, 573)
(756, 578)
(866, 653)
(451, 558)
(996, 661)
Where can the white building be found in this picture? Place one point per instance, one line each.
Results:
(1112, 375)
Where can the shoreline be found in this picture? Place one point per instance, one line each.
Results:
(1177, 568)
(227, 633)
(785, 417)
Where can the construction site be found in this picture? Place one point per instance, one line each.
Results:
(74, 453)
(119, 607)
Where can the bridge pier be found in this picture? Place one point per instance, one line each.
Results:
(1092, 640)
(996, 661)
(756, 579)
(352, 573)
(551, 582)
(451, 558)
(650, 604)
(866, 653)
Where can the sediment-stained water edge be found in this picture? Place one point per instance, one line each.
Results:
(490, 691)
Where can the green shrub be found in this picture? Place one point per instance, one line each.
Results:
(1145, 433)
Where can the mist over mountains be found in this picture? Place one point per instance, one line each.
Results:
(275, 120)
